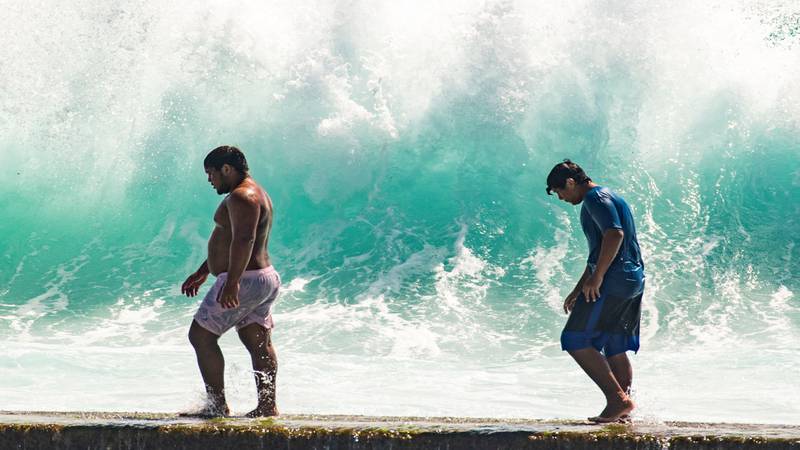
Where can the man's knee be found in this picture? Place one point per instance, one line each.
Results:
(199, 337)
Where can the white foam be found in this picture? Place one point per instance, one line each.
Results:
(296, 285)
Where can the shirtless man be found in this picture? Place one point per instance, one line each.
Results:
(605, 305)
(246, 284)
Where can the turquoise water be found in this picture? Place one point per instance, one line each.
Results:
(405, 148)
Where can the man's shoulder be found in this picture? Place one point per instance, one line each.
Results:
(248, 189)
(600, 193)
(244, 194)
(602, 196)
(595, 194)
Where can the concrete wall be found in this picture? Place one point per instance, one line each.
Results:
(212, 435)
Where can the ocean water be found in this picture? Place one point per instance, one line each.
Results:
(405, 146)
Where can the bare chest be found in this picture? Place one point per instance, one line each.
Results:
(221, 217)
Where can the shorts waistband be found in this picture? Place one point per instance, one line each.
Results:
(252, 273)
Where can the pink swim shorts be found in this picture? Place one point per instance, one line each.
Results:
(258, 290)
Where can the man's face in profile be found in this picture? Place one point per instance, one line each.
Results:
(569, 193)
(215, 178)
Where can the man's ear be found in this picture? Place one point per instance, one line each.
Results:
(570, 183)
(226, 169)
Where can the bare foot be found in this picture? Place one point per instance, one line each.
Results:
(263, 412)
(209, 411)
(615, 411)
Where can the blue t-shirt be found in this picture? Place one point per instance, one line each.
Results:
(603, 209)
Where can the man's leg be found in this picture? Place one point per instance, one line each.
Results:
(212, 368)
(258, 341)
(595, 365)
(622, 370)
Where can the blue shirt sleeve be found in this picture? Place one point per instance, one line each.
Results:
(603, 211)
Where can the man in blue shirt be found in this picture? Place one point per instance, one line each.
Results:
(605, 305)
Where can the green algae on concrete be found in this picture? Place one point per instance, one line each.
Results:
(131, 431)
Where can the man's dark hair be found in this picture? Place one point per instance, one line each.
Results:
(226, 154)
(563, 170)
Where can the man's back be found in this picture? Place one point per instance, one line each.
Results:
(256, 202)
(603, 209)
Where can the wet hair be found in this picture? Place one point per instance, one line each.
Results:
(563, 170)
(229, 155)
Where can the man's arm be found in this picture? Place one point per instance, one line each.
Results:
(203, 269)
(195, 280)
(579, 285)
(243, 213)
(572, 297)
(612, 240)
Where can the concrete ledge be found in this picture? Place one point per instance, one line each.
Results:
(36, 430)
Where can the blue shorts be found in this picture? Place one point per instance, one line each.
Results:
(610, 324)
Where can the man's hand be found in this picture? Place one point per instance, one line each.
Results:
(569, 302)
(591, 288)
(229, 296)
(193, 283)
